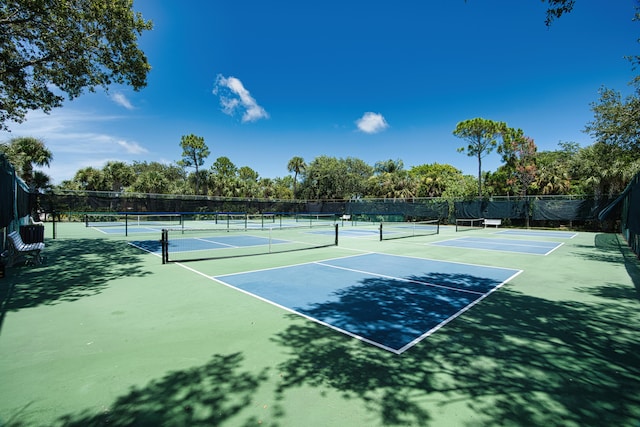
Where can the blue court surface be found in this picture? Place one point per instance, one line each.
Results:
(389, 301)
(540, 233)
(533, 247)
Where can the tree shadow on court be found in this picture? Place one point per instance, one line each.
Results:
(514, 359)
(393, 313)
(611, 248)
(207, 395)
(73, 269)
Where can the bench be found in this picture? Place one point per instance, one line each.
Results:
(494, 222)
(34, 222)
(345, 217)
(18, 250)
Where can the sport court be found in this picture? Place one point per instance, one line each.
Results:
(369, 332)
(532, 247)
(388, 301)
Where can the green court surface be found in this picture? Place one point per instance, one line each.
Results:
(104, 334)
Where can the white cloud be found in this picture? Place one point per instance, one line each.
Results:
(132, 147)
(234, 97)
(372, 123)
(121, 100)
(77, 139)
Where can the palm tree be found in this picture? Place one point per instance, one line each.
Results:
(118, 175)
(25, 153)
(296, 165)
(41, 181)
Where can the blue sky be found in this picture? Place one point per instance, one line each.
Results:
(376, 80)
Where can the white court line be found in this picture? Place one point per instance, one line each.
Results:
(454, 316)
(509, 242)
(407, 346)
(505, 250)
(400, 279)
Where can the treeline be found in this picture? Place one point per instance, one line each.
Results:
(570, 170)
(602, 169)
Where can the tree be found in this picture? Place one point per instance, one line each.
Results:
(248, 182)
(388, 166)
(194, 151)
(25, 153)
(41, 181)
(605, 169)
(616, 122)
(245, 173)
(118, 175)
(224, 167)
(519, 154)
(557, 169)
(557, 8)
(283, 187)
(89, 178)
(392, 181)
(151, 181)
(460, 189)
(224, 178)
(147, 178)
(481, 136)
(297, 166)
(394, 185)
(51, 46)
(332, 178)
(433, 179)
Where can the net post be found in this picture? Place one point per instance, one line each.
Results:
(380, 228)
(164, 244)
(336, 228)
(126, 224)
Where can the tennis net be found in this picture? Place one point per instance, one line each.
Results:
(247, 221)
(118, 219)
(183, 245)
(400, 230)
(465, 224)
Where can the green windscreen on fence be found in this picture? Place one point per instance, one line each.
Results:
(628, 204)
(7, 194)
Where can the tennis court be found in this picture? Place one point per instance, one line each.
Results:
(388, 301)
(206, 243)
(371, 331)
(153, 222)
(533, 247)
(539, 233)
